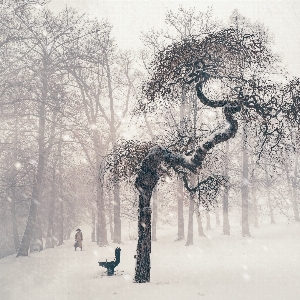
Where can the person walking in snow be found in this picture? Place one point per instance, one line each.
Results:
(78, 239)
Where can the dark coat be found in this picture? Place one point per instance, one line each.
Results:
(79, 238)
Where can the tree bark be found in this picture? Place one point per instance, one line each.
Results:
(148, 177)
(199, 222)
(245, 185)
(142, 269)
(290, 184)
(269, 196)
(208, 226)
(226, 225)
(180, 189)
(61, 223)
(254, 205)
(110, 216)
(154, 218)
(31, 230)
(49, 241)
(93, 226)
(40, 232)
(117, 205)
(254, 210)
(218, 222)
(295, 187)
(59, 189)
(14, 220)
(14, 183)
(190, 233)
(117, 213)
(180, 216)
(101, 228)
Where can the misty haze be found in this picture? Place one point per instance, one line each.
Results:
(149, 150)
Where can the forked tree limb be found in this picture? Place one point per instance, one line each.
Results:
(148, 176)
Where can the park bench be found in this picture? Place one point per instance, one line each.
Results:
(110, 265)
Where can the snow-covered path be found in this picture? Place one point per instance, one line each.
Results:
(217, 267)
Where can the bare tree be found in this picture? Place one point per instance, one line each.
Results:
(45, 56)
(187, 62)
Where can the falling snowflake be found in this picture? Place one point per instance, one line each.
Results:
(18, 165)
(246, 276)
(66, 137)
(33, 162)
(127, 277)
(93, 126)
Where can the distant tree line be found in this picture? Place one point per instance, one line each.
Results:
(70, 100)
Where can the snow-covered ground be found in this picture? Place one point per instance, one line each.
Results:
(218, 267)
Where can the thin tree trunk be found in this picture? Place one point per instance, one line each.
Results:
(25, 242)
(254, 205)
(295, 188)
(180, 189)
(102, 233)
(190, 233)
(68, 230)
(49, 241)
(13, 187)
(199, 222)
(111, 219)
(40, 233)
(269, 196)
(31, 226)
(226, 225)
(288, 179)
(117, 213)
(154, 217)
(254, 210)
(30, 232)
(97, 225)
(14, 220)
(180, 216)
(61, 203)
(61, 223)
(208, 226)
(117, 205)
(217, 213)
(245, 190)
(93, 225)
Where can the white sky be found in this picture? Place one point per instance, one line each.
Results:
(130, 18)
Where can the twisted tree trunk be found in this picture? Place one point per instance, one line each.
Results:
(148, 177)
